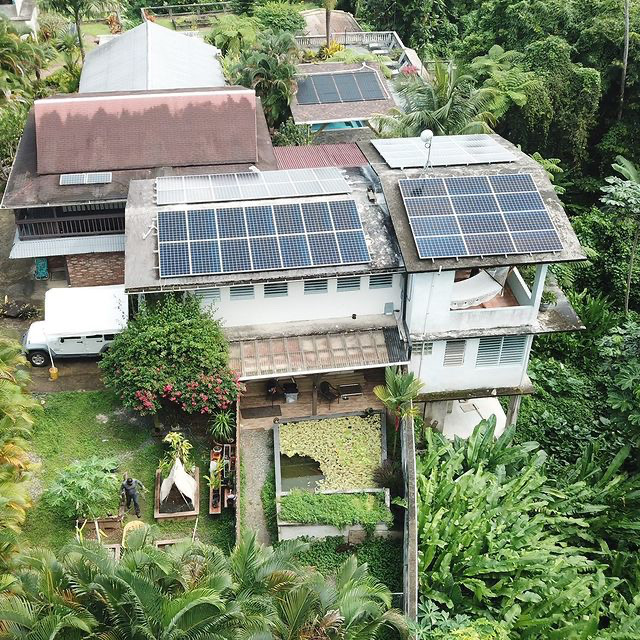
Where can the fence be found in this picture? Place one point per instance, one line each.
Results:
(176, 12)
(387, 39)
(87, 225)
(410, 552)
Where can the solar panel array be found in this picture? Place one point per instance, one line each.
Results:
(329, 88)
(478, 216)
(400, 153)
(257, 238)
(100, 177)
(250, 186)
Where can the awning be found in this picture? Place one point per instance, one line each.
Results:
(48, 247)
(297, 355)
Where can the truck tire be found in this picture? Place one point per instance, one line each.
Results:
(38, 358)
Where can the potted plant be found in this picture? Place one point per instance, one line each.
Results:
(549, 298)
(216, 465)
(222, 426)
(177, 481)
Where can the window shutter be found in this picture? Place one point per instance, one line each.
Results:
(501, 351)
(276, 289)
(513, 350)
(381, 281)
(208, 296)
(242, 292)
(489, 352)
(454, 353)
(351, 283)
(316, 286)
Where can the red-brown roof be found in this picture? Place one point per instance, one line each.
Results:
(109, 132)
(320, 155)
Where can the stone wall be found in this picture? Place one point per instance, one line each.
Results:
(94, 269)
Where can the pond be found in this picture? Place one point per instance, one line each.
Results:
(299, 472)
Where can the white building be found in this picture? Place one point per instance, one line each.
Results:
(464, 324)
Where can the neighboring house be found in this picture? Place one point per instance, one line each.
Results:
(70, 179)
(312, 156)
(341, 22)
(21, 13)
(336, 96)
(464, 226)
(150, 57)
(315, 275)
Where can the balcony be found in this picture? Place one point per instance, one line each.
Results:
(89, 224)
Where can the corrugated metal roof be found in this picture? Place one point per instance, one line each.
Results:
(66, 246)
(151, 57)
(320, 155)
(319, 352)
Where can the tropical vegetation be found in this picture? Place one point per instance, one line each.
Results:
(172, 357)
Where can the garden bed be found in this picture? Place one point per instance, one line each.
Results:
(175, 505)
(77, 425)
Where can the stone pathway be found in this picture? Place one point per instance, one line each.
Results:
(256, 454)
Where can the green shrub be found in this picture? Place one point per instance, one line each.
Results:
(348, 449)
(268, 499)
(233, 34)
(292, 134)
(171, 356)
(336, 509)
(380, 554)
(85, 489)
(280, 16)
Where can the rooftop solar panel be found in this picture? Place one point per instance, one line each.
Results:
(402, 153)
(329, 88)
(250, 186)
(478, 216)
(253, 238)
(98, 177)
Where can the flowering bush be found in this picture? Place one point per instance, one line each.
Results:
(172, 355)
(409, 70)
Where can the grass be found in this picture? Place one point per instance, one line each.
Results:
(77, 425)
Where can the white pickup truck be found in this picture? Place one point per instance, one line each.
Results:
(78, 322)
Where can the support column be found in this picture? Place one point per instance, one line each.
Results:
(538, 287)
(314, 395)
(513, 410)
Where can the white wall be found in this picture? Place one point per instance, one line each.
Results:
(438, 378)
(428, 306)
(298, 306)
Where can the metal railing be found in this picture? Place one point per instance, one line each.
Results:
(388, 39)
(194, 11)
(86, 225)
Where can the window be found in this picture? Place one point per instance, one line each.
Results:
(316, 286)
(498, 351)
(454, 353)
(276, 289)
(349, 284)
(96, 337)
(242, 292)
(422, 348)
(70, 338)
(381, 281)
(99, 206)
(109, 336)
(208, 296)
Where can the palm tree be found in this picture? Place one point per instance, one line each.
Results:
(397, 395)
(448, 104)
(625, 56)
(329, 6)
(77, 10)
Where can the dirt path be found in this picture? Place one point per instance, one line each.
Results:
(257, 456)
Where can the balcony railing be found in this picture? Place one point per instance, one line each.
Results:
(388, 39)
(86, 225)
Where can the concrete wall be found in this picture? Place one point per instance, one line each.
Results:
(428, 306)
(301, 306)
(438, 378)
(94, 269)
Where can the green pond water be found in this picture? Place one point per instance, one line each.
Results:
(299, 472)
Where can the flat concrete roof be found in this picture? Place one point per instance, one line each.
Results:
(141, 244)
(523, 164)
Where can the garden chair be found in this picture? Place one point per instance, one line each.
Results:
(42, 269)
(329, 392)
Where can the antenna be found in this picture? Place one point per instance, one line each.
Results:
(427, 138)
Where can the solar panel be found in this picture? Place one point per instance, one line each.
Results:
(401, 153)
(250, 186)
(99, 177)
(254, 238)
(478, 216)
(329, 88)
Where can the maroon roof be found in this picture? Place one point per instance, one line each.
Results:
(108, 132)
(320, 155)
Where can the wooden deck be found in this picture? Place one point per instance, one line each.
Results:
(256, 396)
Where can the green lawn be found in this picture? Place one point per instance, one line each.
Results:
(77, 425)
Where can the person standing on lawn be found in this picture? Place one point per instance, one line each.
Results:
(129, 491)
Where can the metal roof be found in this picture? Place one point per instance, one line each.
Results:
(320, 155)
(66, 246)
(151, 57)
(292, 355)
